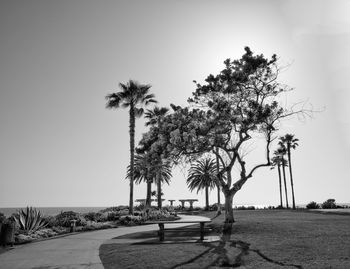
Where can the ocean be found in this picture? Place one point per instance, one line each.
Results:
(51, 211)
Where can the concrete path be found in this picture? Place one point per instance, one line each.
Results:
(79, 250)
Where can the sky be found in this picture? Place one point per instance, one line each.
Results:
(60, 146)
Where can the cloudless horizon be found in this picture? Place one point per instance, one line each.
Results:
(61, 147)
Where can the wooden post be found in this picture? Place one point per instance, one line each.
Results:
(161, 231)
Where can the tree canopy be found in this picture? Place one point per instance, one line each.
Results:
(238, 105)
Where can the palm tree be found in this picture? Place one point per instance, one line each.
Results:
(142, 173)
(291, 143)
(132, 96)
(149, 169)
(277, 162)
(162, 172)
(281, 152)
(203, 175)
(155, 117)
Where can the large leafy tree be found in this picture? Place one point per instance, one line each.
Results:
(203, 175)
(155, 117)
(290, 142)
(226, 114)
(132, 96)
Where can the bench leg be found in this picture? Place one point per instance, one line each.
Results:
(202, 230)
(161, 231)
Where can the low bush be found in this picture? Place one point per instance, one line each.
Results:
(50, 221)
(2, 218)
(43, 233)
(215, 207)
(112, 216)
(115, 208)
(64, 219)
(312, 205)
(329, 204)
(91, 226)
(95, 216)
(245, 207)
(130, 220)
(162, 214)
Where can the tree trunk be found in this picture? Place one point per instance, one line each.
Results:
(229, 219)
(149, 193)
(132, 152)
(280, 182)
(217, 170)
(285, 181)
(291, 175)
(159, 191)
(207, 198)
(218, 185)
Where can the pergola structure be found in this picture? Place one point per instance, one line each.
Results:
(143, 201)
(191, 201)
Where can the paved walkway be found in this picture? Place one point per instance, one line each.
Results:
(75, 251)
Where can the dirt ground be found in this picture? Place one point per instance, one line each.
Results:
(259, 239)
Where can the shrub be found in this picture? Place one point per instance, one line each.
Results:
(64, 219)
(131, 220)
(2, 218)
(115, 208)
(245, 208)
(215, 207)
(152, 214)
(29, 220)
(312, 205)
(95, 216)
(329, 204)
(112, 216)
(50, 221)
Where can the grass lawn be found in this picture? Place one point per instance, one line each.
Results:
(260, 239)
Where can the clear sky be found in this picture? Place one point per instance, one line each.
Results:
(59, 146)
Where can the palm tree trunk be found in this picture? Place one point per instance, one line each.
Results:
(159, 191)
(217, 170)
(207, 198)
(291, 175)
(285, 182)
(149, 193)
(280, 183)
(132, 152)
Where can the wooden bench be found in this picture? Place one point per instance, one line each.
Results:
(162, 229)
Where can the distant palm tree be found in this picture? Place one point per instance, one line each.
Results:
(149, 169)
(155, 117)
(162, 171)
(281, 152)
(142, 173)
(203, 175)
(132, 96)
(277, 162)
(290, 143)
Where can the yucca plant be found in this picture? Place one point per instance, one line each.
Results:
(30, 219)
